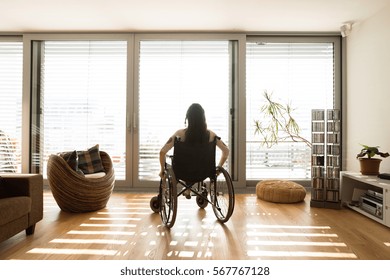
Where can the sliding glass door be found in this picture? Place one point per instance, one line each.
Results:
(172, 75)
(80, 96)
(302, 73)
(83, 94)
(11, 73)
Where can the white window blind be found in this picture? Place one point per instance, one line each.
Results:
(11, 59)
(83, 86)
(301, 74)
(172, 76)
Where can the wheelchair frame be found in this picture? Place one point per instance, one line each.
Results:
(220, 191)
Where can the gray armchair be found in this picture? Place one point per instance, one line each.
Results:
(21, 203)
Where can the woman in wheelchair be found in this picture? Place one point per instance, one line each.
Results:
(196, 132)
(192, 163)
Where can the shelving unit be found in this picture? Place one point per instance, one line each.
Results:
(326, 157)
(318, 158)
(354, 186)
(333, 154)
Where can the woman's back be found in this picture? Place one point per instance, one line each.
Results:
(196, 132)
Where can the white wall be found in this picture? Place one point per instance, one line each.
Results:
(367, 99)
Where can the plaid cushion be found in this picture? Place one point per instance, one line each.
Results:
(90, 161)
(71, 159)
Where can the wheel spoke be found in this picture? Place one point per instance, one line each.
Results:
(222, 196)
(169, 200)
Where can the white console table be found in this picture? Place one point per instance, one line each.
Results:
(352, 180)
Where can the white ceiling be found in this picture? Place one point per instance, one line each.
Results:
(184, 15)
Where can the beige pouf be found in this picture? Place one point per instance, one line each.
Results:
(280, 191)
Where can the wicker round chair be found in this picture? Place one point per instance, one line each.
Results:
(74, 192)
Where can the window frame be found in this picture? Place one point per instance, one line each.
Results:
(336, 40)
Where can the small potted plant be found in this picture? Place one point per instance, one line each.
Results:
(368, 164)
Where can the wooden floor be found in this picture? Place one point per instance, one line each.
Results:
(128, 230)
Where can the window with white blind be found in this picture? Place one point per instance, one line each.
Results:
(172, 76)
(11, 73)
(83, 94)
(301, 74)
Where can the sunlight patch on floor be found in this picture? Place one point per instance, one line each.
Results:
(274, 253)
(89, 241)
(191, 243)
(264, 233)
(54, 251)
(286, 226)
(129, 208)
(123, 213)
(294, 243)
(91, 232)
(114, 219)
(109, 225)
(296, 240)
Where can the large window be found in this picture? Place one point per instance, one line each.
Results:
(130, 92)
(172, 76)
(83, 95)
(11, 67)
(300, 73)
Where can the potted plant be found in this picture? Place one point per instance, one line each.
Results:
(368, 164)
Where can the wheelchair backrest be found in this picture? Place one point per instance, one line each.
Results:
(194, 162)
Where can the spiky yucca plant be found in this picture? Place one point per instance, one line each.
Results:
(277, 123)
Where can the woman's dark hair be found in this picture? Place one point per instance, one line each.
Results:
(197, 127)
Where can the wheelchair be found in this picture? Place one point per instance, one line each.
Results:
(193, 172)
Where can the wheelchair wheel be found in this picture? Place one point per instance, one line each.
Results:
(155, 204)
(168, 194)
(222, 195)
(202, 202)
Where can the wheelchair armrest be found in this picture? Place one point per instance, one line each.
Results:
(166, 162)
(169, 156)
